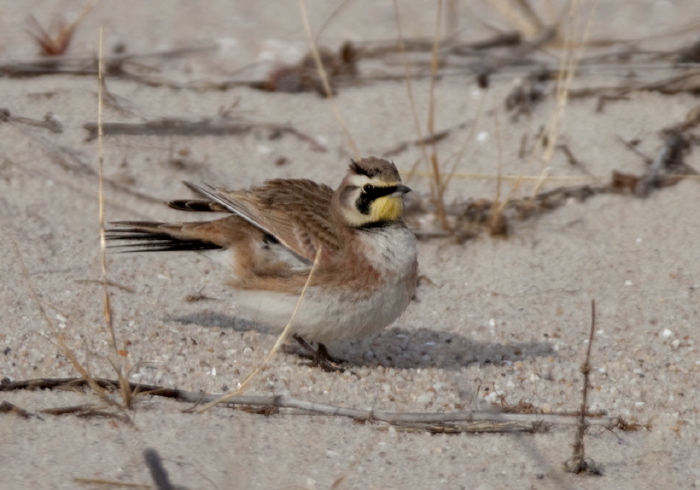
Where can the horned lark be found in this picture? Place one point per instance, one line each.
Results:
(366, 272)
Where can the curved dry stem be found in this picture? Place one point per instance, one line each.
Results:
(409, 87)
(280, 340)
(434, 162)
(117, 363)
(467, 140)
(569, 63)
(324, 79)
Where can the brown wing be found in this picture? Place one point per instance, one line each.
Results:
(295, 211)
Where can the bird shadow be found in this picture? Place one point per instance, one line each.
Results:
(399, 347)
(403, 348)
(224, 322)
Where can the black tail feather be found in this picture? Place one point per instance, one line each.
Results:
(140, 238)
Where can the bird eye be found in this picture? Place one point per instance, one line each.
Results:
(367, 187)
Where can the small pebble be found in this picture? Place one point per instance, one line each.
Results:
(425, 398)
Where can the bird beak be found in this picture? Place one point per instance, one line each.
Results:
(401, 190)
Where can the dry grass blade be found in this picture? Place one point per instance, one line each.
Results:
(498, 225)
(58, 335)
(126, 394)
(11, 408)
(520, 15)
(409, 87)
(330, 18)
(86, 411)
(324, 79)
(110, 483)
(73, 409)
(514, 177)
(437, 186)
(548, 140)
(280, 340)
(57, 44)
(469, 138)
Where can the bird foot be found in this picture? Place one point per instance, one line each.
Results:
(320, 356)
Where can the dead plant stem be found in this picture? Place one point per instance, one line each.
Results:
(117, 363)
(280, 340)
(324, 79)
(438, 189)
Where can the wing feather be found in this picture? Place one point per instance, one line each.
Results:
(295, 211)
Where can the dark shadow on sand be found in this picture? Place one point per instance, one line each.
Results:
(402, 348)
(398, 347)
(224, 322)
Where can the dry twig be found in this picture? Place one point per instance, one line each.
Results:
(50, 122)
(578, 463)
(491, 420)
(111, 483)
(203, 127)
(7, 407)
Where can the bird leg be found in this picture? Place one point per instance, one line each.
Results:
(320, 356)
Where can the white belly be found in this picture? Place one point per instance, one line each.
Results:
(326, 315)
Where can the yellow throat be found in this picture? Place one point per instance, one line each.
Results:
(386, 208)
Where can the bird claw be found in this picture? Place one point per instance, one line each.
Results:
(320, 357)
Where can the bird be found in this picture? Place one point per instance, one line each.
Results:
(364, 257)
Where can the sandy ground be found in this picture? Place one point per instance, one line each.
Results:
(494, 316)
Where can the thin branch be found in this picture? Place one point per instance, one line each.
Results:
(50, 121)
(204, 127)
(578, 463)
(461, 421)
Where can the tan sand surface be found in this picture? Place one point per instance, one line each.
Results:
(495, 320)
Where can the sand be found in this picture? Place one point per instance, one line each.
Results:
(495, 321)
